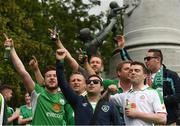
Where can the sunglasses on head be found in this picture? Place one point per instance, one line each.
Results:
(148, 58)
(93, 81)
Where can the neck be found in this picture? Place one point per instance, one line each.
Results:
(155, 70)
(125, 85)
(138, 86)
(80, 93)
(28, 104)
(53, 91)
(93, 98)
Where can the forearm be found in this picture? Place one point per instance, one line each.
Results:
(12, 118)
(27, 80)
(24, 121)
(124, 54)
(89, 69)
(39, 77)
(59, 44)
(72, 62)
(157, 118)
(70, 95)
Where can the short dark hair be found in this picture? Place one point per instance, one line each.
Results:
(76, 72)
(120, 65)
(5, 87)
(145, 70)
(157, 53)
(94, 75)
(48, 68)
(98, 56)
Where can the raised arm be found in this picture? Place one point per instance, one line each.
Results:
(69, 94)
(33, 63)
(83, 58)
(27, 80)
(71, 61)
(121, 46)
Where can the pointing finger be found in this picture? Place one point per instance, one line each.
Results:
(5, 36)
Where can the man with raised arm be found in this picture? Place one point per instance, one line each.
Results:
(47, 104)
(89, 109)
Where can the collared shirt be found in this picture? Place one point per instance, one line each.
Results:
(146, 100)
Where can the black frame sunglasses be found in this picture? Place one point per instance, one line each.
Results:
(148, 58)
(95, 81)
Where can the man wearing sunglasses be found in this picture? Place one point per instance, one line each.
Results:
(164, 80)
(89, 109)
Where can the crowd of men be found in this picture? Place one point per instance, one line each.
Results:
(141, 95)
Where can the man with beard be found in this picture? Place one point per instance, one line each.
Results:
(142, 105)
(47, 104)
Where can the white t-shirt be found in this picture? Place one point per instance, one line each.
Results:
(146, 100)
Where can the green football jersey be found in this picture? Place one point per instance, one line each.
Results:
(69, 116)
(25, 112)
(9, 113)
(48, 108)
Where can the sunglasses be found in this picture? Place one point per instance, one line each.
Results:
(148, 58)
(93, 81)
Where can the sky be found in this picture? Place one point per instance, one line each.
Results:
(103, 7)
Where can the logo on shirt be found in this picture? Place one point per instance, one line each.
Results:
(84, 104)
(62, 102)
(56, 107)
(105, 108)
(142, 97)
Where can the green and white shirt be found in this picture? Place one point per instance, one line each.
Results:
(146, 100)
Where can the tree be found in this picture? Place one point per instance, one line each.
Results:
(27, 22)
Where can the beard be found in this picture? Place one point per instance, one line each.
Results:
(50, 87)
(134, 81)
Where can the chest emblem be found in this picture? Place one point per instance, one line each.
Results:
(142, 97)
(56, 107)
(62, 102)
(105, 108)
(84, 104)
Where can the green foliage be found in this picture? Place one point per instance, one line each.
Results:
(27, 23)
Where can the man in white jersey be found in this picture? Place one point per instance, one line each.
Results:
(47, 103)
(142, 105)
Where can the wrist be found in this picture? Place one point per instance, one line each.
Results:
(61, 61)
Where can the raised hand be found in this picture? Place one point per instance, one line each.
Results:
(8, 42)
(112, 88)
(82, 56)
(120, 41)
(33, 63)
(54, 34)
(60, 54)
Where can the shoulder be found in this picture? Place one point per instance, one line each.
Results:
(22, 106)
(170, 72)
